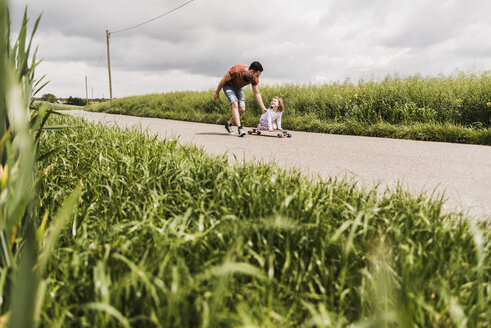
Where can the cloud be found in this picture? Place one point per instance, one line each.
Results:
(296, 41)
(425, 24)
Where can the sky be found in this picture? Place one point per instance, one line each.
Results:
(299, 42)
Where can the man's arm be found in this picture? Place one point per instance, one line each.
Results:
(258, 97)
(224, 80)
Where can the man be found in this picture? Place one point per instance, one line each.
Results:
(232, 83)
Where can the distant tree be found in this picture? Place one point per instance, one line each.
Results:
(49, 97)
(75, 101)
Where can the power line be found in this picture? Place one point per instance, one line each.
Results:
(126, 29)
(151, 20)
(100, 57)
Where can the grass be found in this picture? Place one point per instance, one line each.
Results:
(167, 236)
(25, 246)
(18, 129)
(54, 106)
(455, 108)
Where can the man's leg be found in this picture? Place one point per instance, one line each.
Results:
(237, 100)
(241, 98)
(235, 114)
(240, 111)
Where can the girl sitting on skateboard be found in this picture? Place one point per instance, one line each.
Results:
(272, 114)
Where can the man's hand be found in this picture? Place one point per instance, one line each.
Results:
(223, 81)
(259, 99)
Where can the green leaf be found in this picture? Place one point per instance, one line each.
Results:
(62, 216)
(112, 311)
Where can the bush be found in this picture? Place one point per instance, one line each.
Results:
(167, 234)
(460, 101)
(49, 97)
(76, 101)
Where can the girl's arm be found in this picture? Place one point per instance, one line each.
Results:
(270, 121)
(278, 121)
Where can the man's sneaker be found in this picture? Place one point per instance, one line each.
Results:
(241, 132)
(228, 128)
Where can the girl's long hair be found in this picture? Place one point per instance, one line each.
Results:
(281, 106)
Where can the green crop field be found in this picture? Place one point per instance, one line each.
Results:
(55, 106)
(454, 108)
(166, 236)
(104, 227)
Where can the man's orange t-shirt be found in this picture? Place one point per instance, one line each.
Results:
(237, 80)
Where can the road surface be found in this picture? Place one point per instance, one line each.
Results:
(462, 172)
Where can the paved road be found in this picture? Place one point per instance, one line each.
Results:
(463, 172)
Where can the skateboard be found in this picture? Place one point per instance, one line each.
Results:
(278, 133)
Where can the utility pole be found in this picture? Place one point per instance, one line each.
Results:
(109, 67)
(86, 92)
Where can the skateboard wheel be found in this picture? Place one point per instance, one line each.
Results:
(280, 135)
(249, 132)
(258, 133)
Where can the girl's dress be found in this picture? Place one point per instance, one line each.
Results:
(267, 120)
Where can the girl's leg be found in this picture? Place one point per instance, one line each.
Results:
(263, 124)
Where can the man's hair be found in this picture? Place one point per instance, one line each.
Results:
(256, 66)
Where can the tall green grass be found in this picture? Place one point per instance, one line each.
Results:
(18, 282)
(166, 236)
(24, 246)
(454, 108)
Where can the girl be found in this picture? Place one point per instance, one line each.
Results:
(272, 114)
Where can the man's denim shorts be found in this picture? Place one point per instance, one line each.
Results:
(234, 95)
